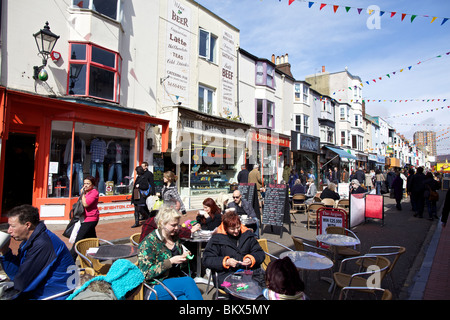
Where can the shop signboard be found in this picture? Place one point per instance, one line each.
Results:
(276, 207)
(331, 217)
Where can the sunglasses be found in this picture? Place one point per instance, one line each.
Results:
(236, 197)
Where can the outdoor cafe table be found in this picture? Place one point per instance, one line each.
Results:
(199, 237)
(338, 240)
(113, 252)
(242, 280)
(307, 261)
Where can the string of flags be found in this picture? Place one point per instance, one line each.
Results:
(404, 100)
(418, 112)
(402, 69)
(392, 14)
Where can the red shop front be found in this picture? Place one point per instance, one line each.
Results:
(48, 145)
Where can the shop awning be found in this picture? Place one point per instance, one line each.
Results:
(342, 153)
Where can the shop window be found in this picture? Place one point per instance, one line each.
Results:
(94, 72)
(207, 46)
(106, 153)
(205, 100)
(265, 112)
(265, 74)
(109, 8)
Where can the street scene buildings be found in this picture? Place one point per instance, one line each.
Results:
(166, 82)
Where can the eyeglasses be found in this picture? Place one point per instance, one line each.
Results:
(236, 197)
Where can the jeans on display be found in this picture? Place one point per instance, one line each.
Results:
(184, 288)
(98, 166)
(118, 168)
(78, 168)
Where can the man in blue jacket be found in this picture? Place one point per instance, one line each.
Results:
(43, 264)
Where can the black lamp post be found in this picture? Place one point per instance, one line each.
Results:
(45, 41)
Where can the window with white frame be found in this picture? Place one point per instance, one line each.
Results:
(298, 123)
(342, 138)
(305, 94)
(207, 45)
(265, 74)
(297, 92)
(342, 114)
(109, 8)
(94, 72)
(305, 124)
(265, 112)
(205, 100)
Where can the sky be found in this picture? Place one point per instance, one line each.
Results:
(370, 47)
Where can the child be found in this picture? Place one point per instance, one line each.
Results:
(283, 281)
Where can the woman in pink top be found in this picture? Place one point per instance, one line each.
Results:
(89, 198)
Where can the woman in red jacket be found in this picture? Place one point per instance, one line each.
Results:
(89, 198)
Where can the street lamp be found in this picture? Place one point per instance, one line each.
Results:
(45, 42)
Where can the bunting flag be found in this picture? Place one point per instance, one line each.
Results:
(402, 69)
(418, 112)
(371, 11)
(404, 100)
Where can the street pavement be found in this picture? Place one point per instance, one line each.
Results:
(420, 274)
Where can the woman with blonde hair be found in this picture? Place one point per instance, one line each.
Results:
(169, 193)
(162, 256)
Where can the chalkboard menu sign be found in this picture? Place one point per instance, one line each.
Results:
(250, 194)
(276, 207)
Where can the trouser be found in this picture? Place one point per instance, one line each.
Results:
(183, 288)
(98, 166)
(118, 168)
(78, 168)
(141, 209)
(87, 230)
(431, 206)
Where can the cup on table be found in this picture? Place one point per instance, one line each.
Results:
(244, 217)
(4, 238)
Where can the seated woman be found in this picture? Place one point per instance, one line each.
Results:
(162, 256)
(233, 247)
(283, 281)
(212, 217)
(355, 187)
(330, 192)
(298, 188)
(311, 191)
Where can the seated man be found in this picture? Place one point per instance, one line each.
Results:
(243, 207)
(43, 263)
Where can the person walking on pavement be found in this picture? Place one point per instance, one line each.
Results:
(379, 180)
(417, 191)
(397, 186)
(430, 185)
(411, 173)
(149, 175)
(255, 177)
(360, 175)
(445, 209)
(243, 175)
(139, 196)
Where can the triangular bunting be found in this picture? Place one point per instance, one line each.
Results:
(322, 6)
(444, 21)
(310, 4)
(335, 8)
(382, 12)
(432, 20)
(413, 17)
(393, 14)
(290, 1)
(347, 8)
(359, 10)
(403, 16)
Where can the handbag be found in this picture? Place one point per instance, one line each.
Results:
(434, 196)
(75, 215)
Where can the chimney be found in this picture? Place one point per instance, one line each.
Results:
(283, 65)
(273, 58)
(323, 68)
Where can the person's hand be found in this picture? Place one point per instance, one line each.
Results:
(196, 227)
(246, 262)
(232, 262)
(179, 259)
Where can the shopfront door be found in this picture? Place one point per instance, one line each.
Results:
(19, 170)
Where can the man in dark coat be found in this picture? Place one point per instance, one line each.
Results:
(360, 176)
(243, 175)
(417, 191)
(149, 176)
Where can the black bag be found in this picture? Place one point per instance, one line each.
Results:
(384, 188)
(75, 215)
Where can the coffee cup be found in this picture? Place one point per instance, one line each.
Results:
(4, 238)
(244, 217)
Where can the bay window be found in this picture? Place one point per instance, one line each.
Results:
(265, 114)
